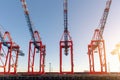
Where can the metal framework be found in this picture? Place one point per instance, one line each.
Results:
(8, 55)
(70, 47)
(95, 48)
(66, 42)
(36, 48)
(97, 44)
(33, 53)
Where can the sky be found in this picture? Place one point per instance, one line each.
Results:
(47, 17)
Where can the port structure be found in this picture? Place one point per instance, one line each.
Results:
(97, 44)
(36, 47)
(9, 52)
(66, 42)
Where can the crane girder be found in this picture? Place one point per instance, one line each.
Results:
(30, 26)
(104, 18)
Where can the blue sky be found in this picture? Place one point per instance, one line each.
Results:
(47, 17)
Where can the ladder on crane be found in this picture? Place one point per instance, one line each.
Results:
(97, 44)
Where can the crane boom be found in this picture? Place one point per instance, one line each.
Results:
(29, 23)
(65, 16)
(66, 26)
(104, 18)
(8, 46)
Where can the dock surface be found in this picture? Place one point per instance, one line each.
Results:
(51, 76)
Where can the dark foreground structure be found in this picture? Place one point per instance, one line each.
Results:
(51, 76)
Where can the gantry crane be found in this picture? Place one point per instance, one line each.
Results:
(66, 42)
(9, 52)
(97, 44)
(35, 45)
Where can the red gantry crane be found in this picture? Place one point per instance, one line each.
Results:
(9, 52)
(66, 42)
(35, 46)
(97, 44)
